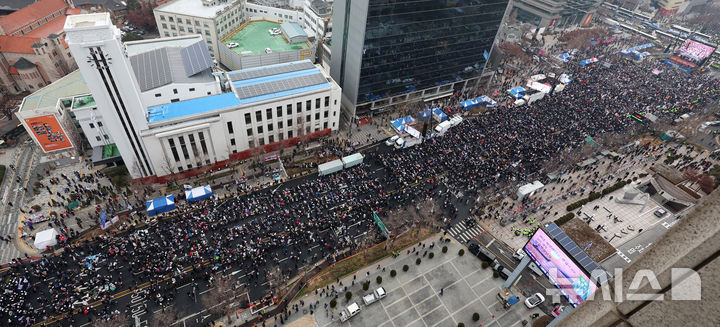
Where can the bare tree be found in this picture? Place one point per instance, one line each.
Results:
(222, 293)
(274, 278)
(580, 38)
(513, 51)
(119, 320)
(164, 317)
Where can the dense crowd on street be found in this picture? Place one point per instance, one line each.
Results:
(303, 221)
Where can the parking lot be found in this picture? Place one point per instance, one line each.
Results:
(413, 297)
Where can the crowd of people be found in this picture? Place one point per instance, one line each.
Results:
(300, 222)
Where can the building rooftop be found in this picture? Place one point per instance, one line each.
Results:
(193, 8)
(253, 38)
(19, 19)
(53, 27)
(135, 47)
(293, 30)
(185, 60)
(18, 44)
(191, 107)
(69, 86)
(321, 7)
(83, 102)
(250, 86)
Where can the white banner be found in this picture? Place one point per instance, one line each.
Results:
(412, 131)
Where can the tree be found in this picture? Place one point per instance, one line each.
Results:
(131, 37)
(164, 317)
(379, 279)
(461, 252)
(580, 38)
(118, 320)
(512, 50)
(222, 289)
(348, 296)
(707, 183)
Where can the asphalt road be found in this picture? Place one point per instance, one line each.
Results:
(13, 195)
(141, 294)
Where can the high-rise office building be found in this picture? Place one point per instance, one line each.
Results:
(385, 53)
(555, 13)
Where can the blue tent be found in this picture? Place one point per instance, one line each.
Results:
(160, 205)
(424, 115)
(399, 124)
(517, 92)
(487, 101)
(588, 61)
(439, 115)
(469, 104)
(198, 194)
(564, 57)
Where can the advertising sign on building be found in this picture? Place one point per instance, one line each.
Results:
(48, 133)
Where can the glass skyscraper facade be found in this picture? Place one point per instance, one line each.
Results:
(408, 46)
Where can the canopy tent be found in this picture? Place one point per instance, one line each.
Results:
(45, 239)
(565, 79)
(564, 57)
(629, 51)
(517, 92)
(160, 205)
(198, 194)
(490, 103)
(439, 115)
(399, 124)
(469, 104)
(640, 55)
(424, 116)
(587, 61)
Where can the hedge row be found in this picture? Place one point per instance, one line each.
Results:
(564, 219)
(594, 195)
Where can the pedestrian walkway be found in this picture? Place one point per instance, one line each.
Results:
(463, 233)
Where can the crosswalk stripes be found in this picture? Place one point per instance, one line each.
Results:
(462, 233)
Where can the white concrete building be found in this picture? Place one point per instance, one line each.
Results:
(200, 117)
(318, 18)
(212, 19)
(282, 15)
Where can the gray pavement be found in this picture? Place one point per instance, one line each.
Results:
(414, 296)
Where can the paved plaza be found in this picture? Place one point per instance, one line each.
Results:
(414, 296)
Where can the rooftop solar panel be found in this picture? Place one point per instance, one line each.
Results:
(254, 90)
(587, 263)
(152, 69)
(275, 70)
(196, 58)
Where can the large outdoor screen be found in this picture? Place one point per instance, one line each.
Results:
(692, 54)
(557, 265)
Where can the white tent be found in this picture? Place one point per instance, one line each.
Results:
(45, 238)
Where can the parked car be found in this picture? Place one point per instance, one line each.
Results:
(519, 254)
(534, 300)
(349, 312)
(374, 296)
(660, 212)
(391, 141)
(232, 45)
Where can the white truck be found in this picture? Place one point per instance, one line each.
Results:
(374, 296)
(443, 127)
(406, 142)
(349, 312)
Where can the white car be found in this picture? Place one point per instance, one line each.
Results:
(391, 141)
(534, 300)
(232, 45)
(268, 50)
(519, 254)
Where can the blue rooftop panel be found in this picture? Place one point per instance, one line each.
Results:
(191, 107)
(272, 78)
(284, 93)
